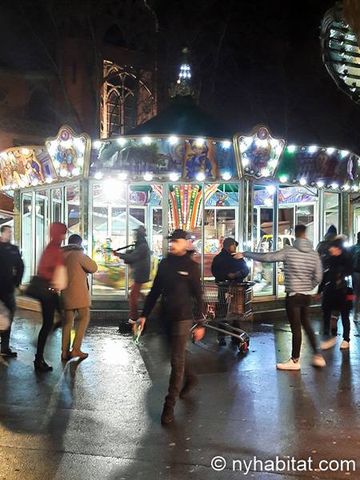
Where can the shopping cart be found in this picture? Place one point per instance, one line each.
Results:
(226, 304)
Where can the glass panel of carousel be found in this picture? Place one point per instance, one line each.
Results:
(117, 211)
(41, 222)
(72, 209)
(185, 211)
(263, 225)
(56, 205)
(221, 220)
(331, 210)
(27, 235)
(297, 204)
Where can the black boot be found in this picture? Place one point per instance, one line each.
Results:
(40, 365)
(167, 415)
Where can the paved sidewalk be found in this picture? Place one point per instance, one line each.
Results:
(99, 419)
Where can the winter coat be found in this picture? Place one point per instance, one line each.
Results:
(224, 263)
(52, 256)
(302, 266)
(12, 267)
(78, 265)
(139, 260)
(178, 282)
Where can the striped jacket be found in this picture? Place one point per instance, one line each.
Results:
(302, 265)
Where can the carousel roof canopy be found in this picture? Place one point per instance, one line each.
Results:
(183, 117)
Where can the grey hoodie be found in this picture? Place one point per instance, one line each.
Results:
(302, 266)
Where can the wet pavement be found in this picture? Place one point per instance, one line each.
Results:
(100, 418)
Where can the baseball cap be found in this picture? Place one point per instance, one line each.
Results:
(229, 241)
(179, 233)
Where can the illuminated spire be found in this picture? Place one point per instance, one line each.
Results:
(183, 86)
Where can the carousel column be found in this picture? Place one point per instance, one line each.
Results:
(165, 218)
(321, 214)
(275, 237)
(84, 211)
(246, 214)
(17, 217)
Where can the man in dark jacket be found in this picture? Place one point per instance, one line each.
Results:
(227, 268)
(178, 282)
(139, 260)
(323, 246)
(11, 273)
(355, 255)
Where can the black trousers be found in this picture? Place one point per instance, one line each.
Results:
(177, 337)
(335, 301)
(8, 300)
(297, 310)
(48, 307)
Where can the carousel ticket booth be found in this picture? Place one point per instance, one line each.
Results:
(253, 187)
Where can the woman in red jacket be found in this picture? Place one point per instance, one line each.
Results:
(50, 260)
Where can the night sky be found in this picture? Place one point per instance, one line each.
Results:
(254, 61)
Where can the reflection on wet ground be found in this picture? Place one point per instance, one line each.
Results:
(99, 419)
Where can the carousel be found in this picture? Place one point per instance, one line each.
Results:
(178, 170)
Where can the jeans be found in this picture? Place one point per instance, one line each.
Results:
(297, 310)
(8, 300)
(178, 335)
(356, 288)
(336, 301)
(83, 322)
(48, 307)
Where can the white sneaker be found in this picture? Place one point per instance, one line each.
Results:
(344, 345)
(289, 365)
(318, 361)
(326, 344)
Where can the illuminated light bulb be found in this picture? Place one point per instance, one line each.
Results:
(226, 176)
(200, 176)
(122, 141)
(330, 150)
(334, 185)
(355, 188)
(35, 182)
(283, 178)
(48, 180)
(271, 189)
(320, 183)
(344, 153)
(146, 140)
(97, 144)
(346, 187)
(122, 176)
(25, 151)
(302, 181)
(98, 175)
(312, 149)
(174, 177)
(226, 144)
(148, 176)
(199, 142)
(173, 140)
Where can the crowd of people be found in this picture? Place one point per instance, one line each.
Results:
(61, 285)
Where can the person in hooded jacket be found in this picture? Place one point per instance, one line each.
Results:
(51, 258)
(76, 296)
(323, 246)
(139, 260)
(303, 272)
(334, 291)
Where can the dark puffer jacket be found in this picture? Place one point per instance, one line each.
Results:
(138, 259)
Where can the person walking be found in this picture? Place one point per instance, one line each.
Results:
(303, 272)
(334, 290)
(355, 255)
(51, 272)
(139, 260)
(227, 268)
(178, 283)
(323, 246)
(76, 297)
(11, 273)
